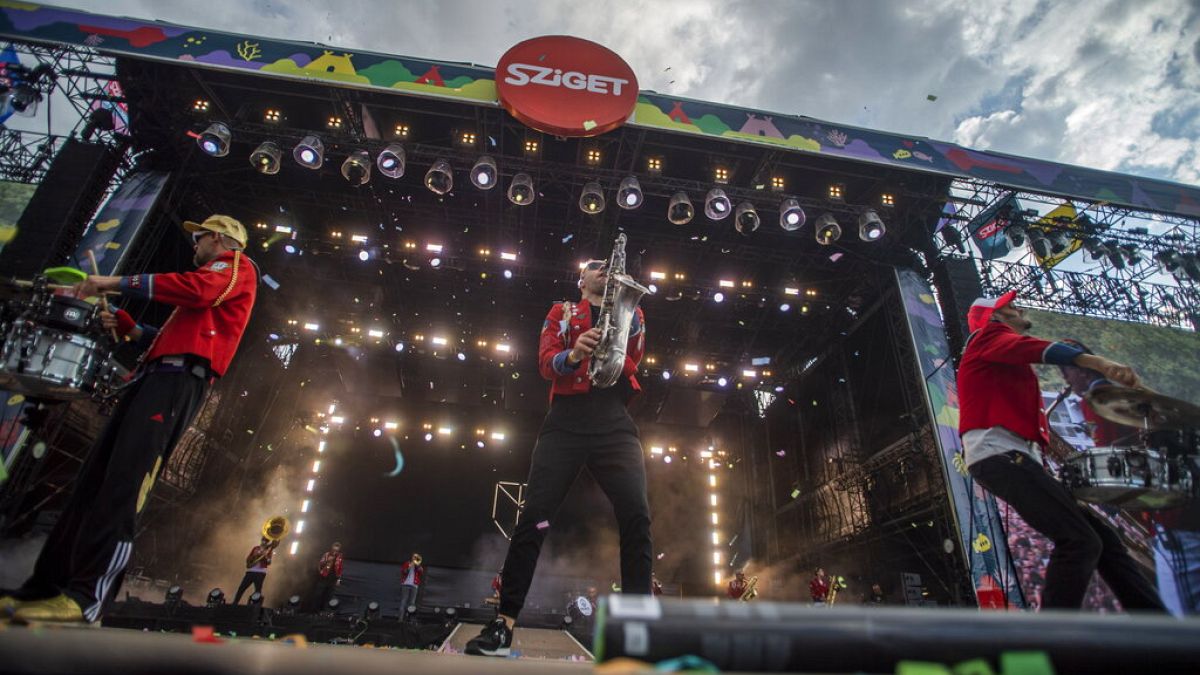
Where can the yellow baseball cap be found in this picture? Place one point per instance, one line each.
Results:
(225, 225)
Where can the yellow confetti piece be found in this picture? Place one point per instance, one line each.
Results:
(7, 233)
(108, 225)
(16, 399)
(112, 245)
(588, 125)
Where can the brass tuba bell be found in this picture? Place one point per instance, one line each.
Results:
(275, 528)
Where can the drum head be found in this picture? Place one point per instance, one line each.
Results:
(69, 313)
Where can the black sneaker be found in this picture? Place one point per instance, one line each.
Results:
(494, 640)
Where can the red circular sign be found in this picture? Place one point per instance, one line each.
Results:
(566, 86)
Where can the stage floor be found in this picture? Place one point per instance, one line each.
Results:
(50, 650)
(528, 643)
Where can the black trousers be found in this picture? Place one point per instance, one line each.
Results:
(322, 592)
(250, 578)
(1083, 543)
(86, 553)
(616, 462)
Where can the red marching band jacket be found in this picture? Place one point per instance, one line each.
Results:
(258, 552)
(418, 575)
(330, 565)
(997, 386)
(212, 308)
(558, 337)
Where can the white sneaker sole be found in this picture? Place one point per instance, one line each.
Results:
(503, 651)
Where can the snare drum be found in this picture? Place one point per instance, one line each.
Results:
(1136, 479)
(44, 362)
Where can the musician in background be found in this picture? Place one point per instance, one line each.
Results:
(737, 585)
(585, 426)
(412, 575)
(83, 561)
(1004, 431)
(257, 563)
(655, 585)
(497, 584)
(818, 587)
(875, 597)
(1176, 540)
(329, 576)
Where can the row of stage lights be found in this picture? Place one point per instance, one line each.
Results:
(439, 179)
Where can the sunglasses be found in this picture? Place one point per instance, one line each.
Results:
(197, 236)
(595, 265)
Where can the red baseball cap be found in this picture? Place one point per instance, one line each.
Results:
(982, 309)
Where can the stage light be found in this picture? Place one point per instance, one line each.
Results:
(726, 283)
(654, 165)
(440, 177)
(779, 389)
(461, 356)
(433, 248)
(1094, 248)
(667, 459)
(1016, 235)
(216, 598)
(1131, 253)
(391, 426)
(629, 194)
(375, 333)
(505, 348)
(483, 174)
(837, 192)
(508, 274)
(745, 220)
(791, 291)
(334, 122)
(593, 156)
(691, 367)
(295, 547)
(666, 374)
(951, 236)
(680, 211)
(520, 190)
(716, 205)
(435, 263)
(333, 605)
(401, 131)
(870, 227)
(1190, 263)
(784, 307)
(480, 444)
(311, 484)
(1059, 241)
(289, 249)
(304, 506)
(399, 346)
(653, 288)
(99, 119)
(364, 256)
(1039, 243)
(531, 147)
(372, 610)
(312, 326)
(310, 152)
(721, 382)
(467, 138)
(592, 198)
(777, 183)
(214, 140)
(392, 160)
(828, 230)
(721, 174)
(428, 437)
(718, 297)
(200, 105)
(887, 200)
(174, 595)
(256, 599)
(271, 115)
(1168, 261)
(357, 168)
(293, 603)
(445, 431)
(791, 215)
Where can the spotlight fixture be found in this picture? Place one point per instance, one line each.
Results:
(592, 199)
(372, 610)
(791, 215)
(1132, 254)
(1095, 248)
(531, 147)
(1016, 235)
(777, 184)
(680, 211)
(174, 595)
(716, 205)
(1039, 243)
(357, 168)
(520, 190)
(99, 119)
(333, 605)
(483, 174)
(401, 130)
(216, 598)
(721, 174)
(746, 219)
(593, 156)
(391, 160)
(440, 177)
(266, 158)
(1190, 262)
(272, 115)
(718, 297)
(654, 165)
(828, 230)
(214, 140)
(1059, 241)
(293, 603)
(256, 599)
(200, 105)
(837, 192)
(1169, 261)
(870, 227)
(467, 138)
(887, 200)
(952, 237)
(310, 152)
(629, 194)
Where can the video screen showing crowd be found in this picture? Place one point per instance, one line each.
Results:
(1144, 459)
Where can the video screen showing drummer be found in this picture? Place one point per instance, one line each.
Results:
(1175, 531)
(1005, 434)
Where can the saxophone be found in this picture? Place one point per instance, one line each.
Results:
(835, 584)
(621, 297)
(751, 591)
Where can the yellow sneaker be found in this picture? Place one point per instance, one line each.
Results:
(60, 608)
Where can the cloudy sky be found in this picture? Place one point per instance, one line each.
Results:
(1109, 84)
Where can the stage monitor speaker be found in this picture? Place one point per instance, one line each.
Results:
(55, 218)
(958, 285)
(792, 637)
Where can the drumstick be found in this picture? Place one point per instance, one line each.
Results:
(103, 300)
(24, 283)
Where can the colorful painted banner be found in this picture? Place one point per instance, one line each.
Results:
(119, 221)
(401, 74)
(987, 228)
(981, 531)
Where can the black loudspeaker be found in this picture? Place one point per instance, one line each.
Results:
(958, 284)
(53, 222)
